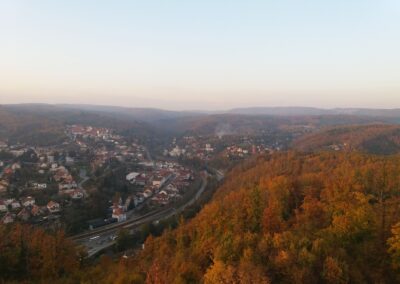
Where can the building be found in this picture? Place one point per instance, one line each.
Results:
(28, 201)
(15, 204)
(119, 214)
(131, 177)
(3, 206)
(176, 152)
(53, 207)
(76, 194)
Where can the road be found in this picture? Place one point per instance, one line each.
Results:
(104, 237)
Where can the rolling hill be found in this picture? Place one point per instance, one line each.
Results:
(34, 122)
(375, 139)
(286, 218)
(44, 124)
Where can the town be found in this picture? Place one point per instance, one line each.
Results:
(98, 177)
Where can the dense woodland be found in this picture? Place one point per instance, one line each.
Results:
(285, 218)
(376, 139)
(290, 218)
(44, 125)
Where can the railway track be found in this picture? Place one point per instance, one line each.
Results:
(113, 227)
(157, 214)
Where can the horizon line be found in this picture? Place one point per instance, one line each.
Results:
(202, 110)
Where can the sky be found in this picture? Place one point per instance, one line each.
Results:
(208, 54)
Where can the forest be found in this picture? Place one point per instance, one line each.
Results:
(381, 139)
(329, 217)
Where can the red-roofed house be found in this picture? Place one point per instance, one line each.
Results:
(53, 207)
(119, 214)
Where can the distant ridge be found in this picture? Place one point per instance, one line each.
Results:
(154, 114)
(285, 111)
(300, 111)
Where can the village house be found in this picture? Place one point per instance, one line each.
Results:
(119, 214)
(53, 207)
(209, 148)
(8, 201)
(131, 177)
(67, 185)
(15, 166)
(28, 201)
(161, 198)
(3, 186)
(76, 194)
(3, 206)
(43, 166)
(15, 205)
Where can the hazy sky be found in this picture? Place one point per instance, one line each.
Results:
(201, 54)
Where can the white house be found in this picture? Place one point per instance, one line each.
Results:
(132, 176)
(3, 206)
(28, 201)
(15, 204)
(15, 166)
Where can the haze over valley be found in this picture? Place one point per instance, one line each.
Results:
(215, 142)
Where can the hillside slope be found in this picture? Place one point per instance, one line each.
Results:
(289, 218)
(374, 139)
(44, 124)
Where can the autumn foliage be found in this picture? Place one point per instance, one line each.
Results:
(33, 255)
(288, 218)
(285, 218)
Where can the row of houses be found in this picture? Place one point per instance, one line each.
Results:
(89, 131)
(165, 184)
(25, 209)
(66, 183)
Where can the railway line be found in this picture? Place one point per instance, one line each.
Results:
(149, 217)
(99, 239)
(113, 227)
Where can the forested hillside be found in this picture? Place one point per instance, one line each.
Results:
(289, 218)
(374, 139)
(29, 255)
(44, 125)
(286, 218)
